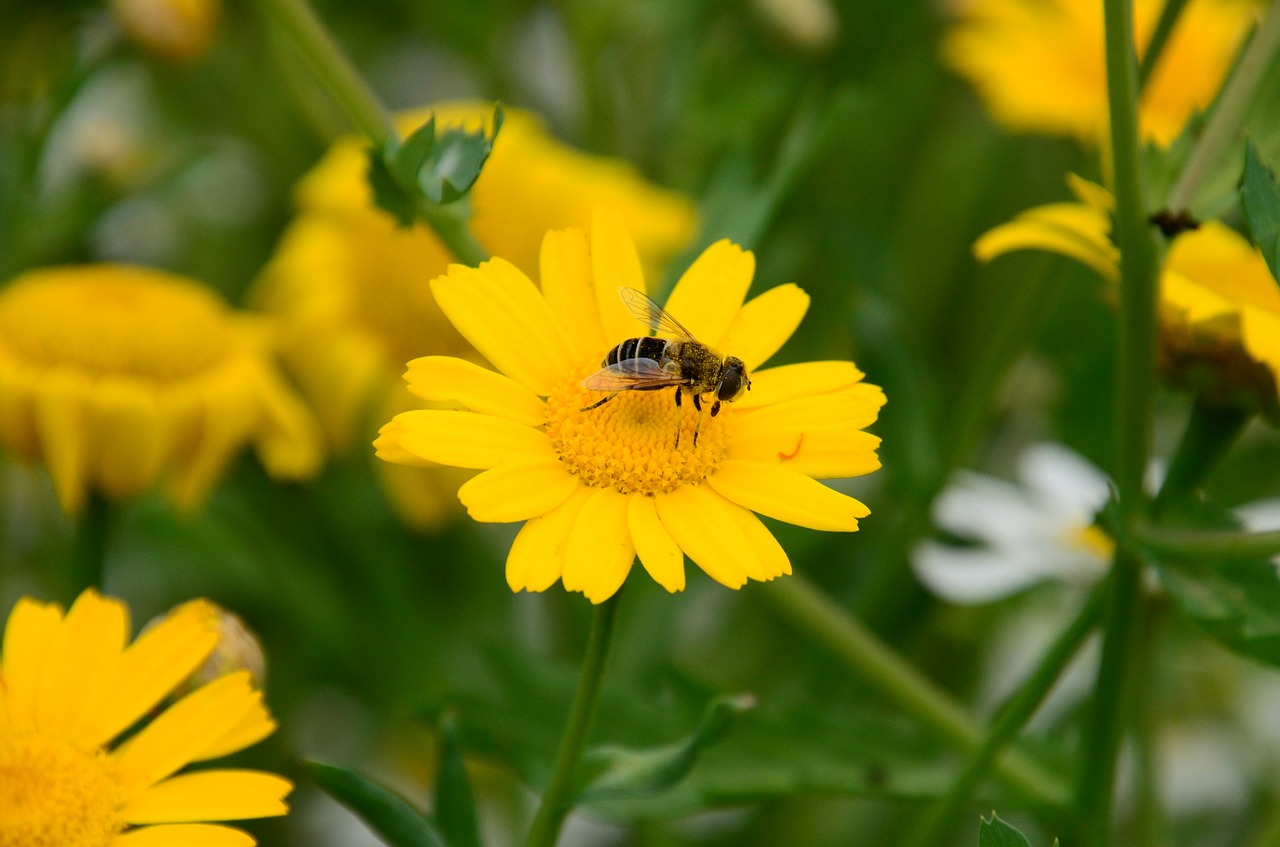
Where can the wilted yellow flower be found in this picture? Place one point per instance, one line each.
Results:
(351, 285)
(115, 377)
(73, 685)
(177, 30)
(1219, 304)
(1039, 64)
(600, 486)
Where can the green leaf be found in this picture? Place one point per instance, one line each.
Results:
(455, 805)
(389, 814)
(1237, 602)
(997, 833)
(616, 772)
(406, 159)
(388, 194)
(1260, 201)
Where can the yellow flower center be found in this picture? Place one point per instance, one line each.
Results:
(1094, 541)
(55, 795)
(110, 319)
(629, 442)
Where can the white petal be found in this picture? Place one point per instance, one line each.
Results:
(968, 576)
(1063, 480)
(994, 511)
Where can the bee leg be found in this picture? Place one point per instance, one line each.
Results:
(598, 403)
(715, 409)
(697, 403)
(679, 391)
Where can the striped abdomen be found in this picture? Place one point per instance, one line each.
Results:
(647, 347)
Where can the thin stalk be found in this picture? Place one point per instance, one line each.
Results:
(1148, 827)
(1135, 387)
(88, 547)
(1009, 721)
(366, 111)
(1207, 543)
(556, 799)
(1159, 37)
(1228, 115)
(1210, 432)
(829, 624)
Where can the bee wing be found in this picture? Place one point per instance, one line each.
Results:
(632, 374)
(649, 313)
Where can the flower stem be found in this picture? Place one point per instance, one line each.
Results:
(1210, 432)
(556, 799)
(88, 547)
(1009, 721)
(1135, 387)
(1207, 543)
(366, 111)
(832, 626)
(1228, 115)
(1159, 37)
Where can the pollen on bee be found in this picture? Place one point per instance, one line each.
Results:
(629, 443)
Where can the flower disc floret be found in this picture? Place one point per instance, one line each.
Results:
(56, 795)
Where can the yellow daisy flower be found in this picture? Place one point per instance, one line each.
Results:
(1219, 304)
(1039, 65)
(72, 684)
(115, 376)
(599, 487)
(176, 30)
(349, 283)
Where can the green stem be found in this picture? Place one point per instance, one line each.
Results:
(1207, 543)
(1228, 115)
(366, 111)
(1008, 722)
(88, 547)
(825, 621)
(1159, 37)
(1210, 432)
(556, 799)
(1136, 390)
(1148, 819)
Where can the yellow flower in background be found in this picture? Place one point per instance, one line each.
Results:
(351, 286)
(598, 488)
(176, 30)
(115, 377)
(1219, 304)
(1039, 64)
(73, 685)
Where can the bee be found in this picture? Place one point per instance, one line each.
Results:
(650, 363)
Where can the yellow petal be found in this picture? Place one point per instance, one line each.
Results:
(227, 412)
(150, 668)
(536, 559)
(700, 523)
(614, 265)
(124, 416)
(789, 382)
(856, 406)
(504, 316)
(658, 551)
(17, 415)
(517, 491)
(710, 293)
(764, 324)
(255, 725)
(84, 653)
(388, 448)
(183, 731)
(184, 835)
(60, 426)
(599, 552)
(569, 286)
(445, 378)
(28, 638)
(822, 450)
(287, 437)
(1077, 232)
(469, 439)
(773, 559)
(216, 795)
(783, 494)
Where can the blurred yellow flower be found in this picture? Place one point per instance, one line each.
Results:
(1039, 65)
(176, 30)
(115, 376)
(600, 487)
(1219, 304)
(73, 684)
(351, 285)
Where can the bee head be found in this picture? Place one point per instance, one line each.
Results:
(733, 379)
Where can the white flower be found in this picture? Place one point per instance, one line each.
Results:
(1036, 529)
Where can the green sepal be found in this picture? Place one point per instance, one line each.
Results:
(387, 193)
(1260, 202)
(997, 833)
(618, 773)
(453, 164)
(455, 805)
(395, 821)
